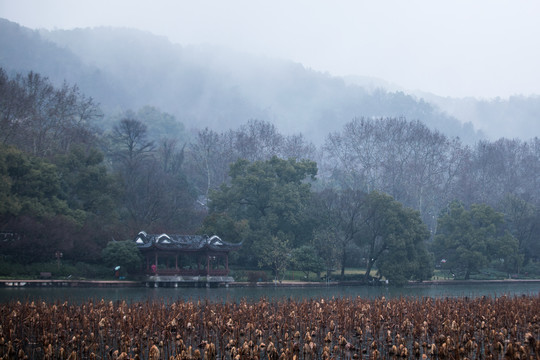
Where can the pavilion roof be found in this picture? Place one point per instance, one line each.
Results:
(176, 242)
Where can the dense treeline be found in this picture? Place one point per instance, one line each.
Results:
(386, 194)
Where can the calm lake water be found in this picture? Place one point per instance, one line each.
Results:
(234, 294)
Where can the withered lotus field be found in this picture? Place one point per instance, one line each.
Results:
(344, 328)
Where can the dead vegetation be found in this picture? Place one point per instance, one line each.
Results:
(354, 328)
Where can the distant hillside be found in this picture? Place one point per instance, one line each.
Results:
(23, 50)
(207, 86)
(515, 117)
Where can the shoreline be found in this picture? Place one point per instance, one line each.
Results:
(19, 283)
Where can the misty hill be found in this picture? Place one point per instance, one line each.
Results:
(208, 86)
(515, 117)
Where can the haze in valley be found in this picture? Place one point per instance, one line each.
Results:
(459, 48)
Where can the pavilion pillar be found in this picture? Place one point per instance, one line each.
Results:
(176, 262)
(207, 264)
(227, 263)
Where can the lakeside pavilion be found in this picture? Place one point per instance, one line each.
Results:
(185, 255)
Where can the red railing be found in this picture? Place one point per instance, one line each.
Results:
(219, 272)
(188, 272)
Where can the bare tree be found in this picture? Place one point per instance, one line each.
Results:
(43, 120)
(130, 145)
(170, 157)
(354, 153)
(14, 108)
(402, 158)
(258, 140)
(208, 157)
(157, 194)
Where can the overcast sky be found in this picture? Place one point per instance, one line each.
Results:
(482, 48)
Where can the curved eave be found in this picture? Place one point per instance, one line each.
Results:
(186, 243)
(188, 247)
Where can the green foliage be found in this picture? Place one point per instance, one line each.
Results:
(522, 219)
(228, 229)
(85, 182)
(532, 269)
(161, 125)
(256, 276)
(9, 202)
(31, 186)
(270, 197)
(468, 239)
(65, 207)
(395, 237)
(275, 253)
(124, 254)
(59, 193)
(63, 269)
(327, 245)
(306, 259)
(50, 188)
(504, 251)
(337, 218)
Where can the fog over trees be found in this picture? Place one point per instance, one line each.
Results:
(205, 86)
(215, 87)
(314, 166)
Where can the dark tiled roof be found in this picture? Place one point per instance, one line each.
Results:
(183, 242)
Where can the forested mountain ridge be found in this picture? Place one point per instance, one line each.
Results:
(206, 86)
(24, 50)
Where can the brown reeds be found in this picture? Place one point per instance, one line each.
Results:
(422, 328)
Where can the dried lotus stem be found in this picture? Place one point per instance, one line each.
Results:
(353, 328)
